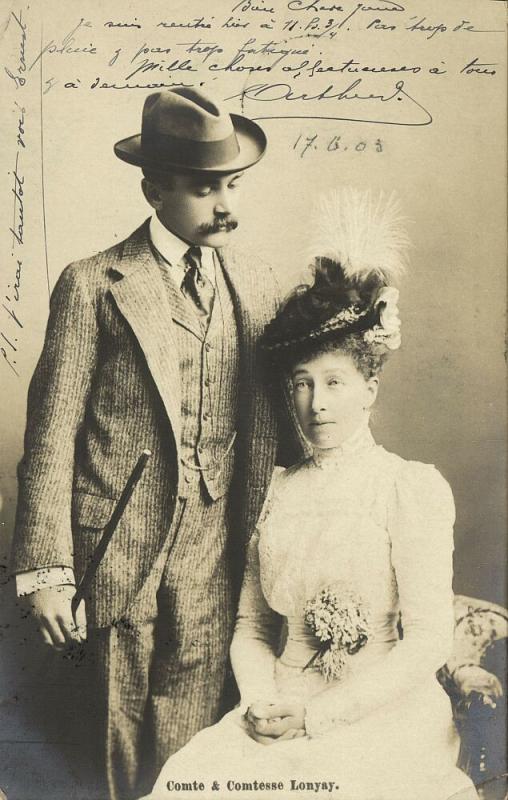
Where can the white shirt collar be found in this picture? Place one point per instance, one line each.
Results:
(359, 441)
(173, 249)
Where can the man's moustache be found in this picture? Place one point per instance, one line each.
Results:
(219, 225)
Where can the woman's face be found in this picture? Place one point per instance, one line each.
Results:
(331, 397)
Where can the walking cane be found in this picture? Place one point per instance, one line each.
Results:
(109, 530)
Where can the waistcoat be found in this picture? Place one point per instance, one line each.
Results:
(209, 377)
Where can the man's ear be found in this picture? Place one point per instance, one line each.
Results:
(152, 193)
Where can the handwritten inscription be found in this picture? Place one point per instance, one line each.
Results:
(111, 24)
(369, 106)
(196, 22)
(18, 73)
(475, 67)
(338, 143)
(249, 5)
(288, 63)
(17, 191)
(11, 322)
(67, 45)
(377, 63)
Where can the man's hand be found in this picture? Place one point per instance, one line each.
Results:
(51, 609)
(275, 722)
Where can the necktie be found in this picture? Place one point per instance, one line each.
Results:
(195, 284)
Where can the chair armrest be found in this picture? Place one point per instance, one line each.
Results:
(474, 677)
(482, 732)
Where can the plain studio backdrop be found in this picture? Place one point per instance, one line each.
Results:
(442, 397)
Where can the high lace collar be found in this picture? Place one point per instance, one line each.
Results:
(359, 441)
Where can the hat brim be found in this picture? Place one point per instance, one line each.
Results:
(251, 142)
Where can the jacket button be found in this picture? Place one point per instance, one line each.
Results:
(208, 346)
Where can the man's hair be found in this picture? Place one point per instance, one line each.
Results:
(162, 179)
(165, 178)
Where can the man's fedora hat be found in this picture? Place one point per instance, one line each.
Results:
(184, 129)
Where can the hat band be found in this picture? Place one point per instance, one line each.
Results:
(189, 152)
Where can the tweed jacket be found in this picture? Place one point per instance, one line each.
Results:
(106, 387)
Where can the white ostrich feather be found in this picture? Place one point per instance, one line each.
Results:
(362, 232)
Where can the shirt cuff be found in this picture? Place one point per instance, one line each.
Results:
(44, 578)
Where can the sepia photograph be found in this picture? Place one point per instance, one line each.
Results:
(253, 400)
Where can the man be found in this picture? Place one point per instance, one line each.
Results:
(151, 344)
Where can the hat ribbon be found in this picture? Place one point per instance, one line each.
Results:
(190, 152)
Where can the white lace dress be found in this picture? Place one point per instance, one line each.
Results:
(363, 518)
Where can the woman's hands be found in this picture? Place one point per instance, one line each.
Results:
(268, 723)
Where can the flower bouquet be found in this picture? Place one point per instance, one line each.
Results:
(339, 619)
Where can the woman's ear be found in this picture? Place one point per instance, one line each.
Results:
(371, 386)
(152, 194)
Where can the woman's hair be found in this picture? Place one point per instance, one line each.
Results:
(368, 358)
(303, 327)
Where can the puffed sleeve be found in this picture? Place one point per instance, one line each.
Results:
(421, 514)
(258, 627)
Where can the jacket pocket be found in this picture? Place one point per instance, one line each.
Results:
(91, 510)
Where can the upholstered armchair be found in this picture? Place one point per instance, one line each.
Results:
(475, 679)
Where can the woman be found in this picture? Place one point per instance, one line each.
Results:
(351, 538)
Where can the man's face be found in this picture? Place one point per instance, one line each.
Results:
(201, 209)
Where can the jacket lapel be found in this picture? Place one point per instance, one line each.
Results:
(256, 302)
(254, 307)
(181, 308)
(142, 299)
(249, 315)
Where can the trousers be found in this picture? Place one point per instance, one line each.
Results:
(161, 673)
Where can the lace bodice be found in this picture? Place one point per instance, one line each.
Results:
(364, 518)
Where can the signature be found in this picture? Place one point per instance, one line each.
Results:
(273, 92)
(18, 75)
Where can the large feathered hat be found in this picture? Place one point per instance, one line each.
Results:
(359, 250)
